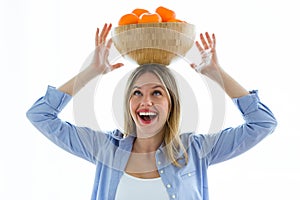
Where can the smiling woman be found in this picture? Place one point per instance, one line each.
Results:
(152, 89)
(151, 147)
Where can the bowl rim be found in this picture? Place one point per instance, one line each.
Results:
(154, 24)
(189, 30)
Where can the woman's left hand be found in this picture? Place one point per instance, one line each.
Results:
(207, 48)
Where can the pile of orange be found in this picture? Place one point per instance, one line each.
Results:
(140, 15)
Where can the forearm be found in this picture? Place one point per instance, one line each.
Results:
(76, 83)
(231, 87)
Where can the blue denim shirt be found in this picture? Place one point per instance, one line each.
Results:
(110, 151)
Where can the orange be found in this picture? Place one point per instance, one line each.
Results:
(139, 11)
(149, 18)
(129, 18)
(175, 20)
(165, 13)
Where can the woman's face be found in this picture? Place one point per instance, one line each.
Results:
(149, 105)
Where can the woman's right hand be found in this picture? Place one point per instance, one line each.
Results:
(100, 58)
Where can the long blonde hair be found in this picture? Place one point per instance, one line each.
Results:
(172, 140)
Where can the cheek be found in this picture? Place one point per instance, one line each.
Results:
(165, 106)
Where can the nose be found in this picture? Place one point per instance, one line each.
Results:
(146, 101)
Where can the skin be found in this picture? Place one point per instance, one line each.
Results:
(148, 95)
(142, 160)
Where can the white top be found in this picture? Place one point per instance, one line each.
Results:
(134, 188)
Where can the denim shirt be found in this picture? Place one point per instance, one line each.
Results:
(110, 151)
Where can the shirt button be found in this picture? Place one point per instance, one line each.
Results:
(189, 174)
(161, 171)
(168, 186)
(158, 162)
(173, 196)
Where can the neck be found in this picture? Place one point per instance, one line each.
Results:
(147, 145)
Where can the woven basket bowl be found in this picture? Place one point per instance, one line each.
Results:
(154, 42)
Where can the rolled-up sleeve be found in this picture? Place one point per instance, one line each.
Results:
(43, 113)
(80, 141)
(228, 143)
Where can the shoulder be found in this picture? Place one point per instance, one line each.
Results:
(197, 141)
(118, 138)
(190, 138)
(195, 137)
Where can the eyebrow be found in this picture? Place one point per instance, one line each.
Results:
(156, 86)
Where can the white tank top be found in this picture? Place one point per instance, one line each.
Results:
(134, 188)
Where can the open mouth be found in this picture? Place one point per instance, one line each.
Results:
(147, 116)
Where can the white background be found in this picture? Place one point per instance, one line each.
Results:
(45, 42)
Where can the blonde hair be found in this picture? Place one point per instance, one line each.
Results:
(172, 140)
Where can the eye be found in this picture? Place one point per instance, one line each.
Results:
(137, 93)
(157, 93)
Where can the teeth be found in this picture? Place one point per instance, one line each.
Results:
(147, 113)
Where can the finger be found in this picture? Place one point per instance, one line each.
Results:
(209, 40)
(107, 31)
(109, 43)
(116, 66)
(97, 37)
(197, 68)
(214, 40)
(101, 39)
(106, 51)
(198, 45)
(193, 65)
(203, 41)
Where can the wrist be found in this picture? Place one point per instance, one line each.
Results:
(87, 74)
(92, 71)
(212, 72)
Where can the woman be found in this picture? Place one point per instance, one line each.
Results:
(151, 160)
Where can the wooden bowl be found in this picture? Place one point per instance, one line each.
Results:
(154, 42)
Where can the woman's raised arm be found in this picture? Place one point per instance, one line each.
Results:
(212, 69)
(99, 64)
